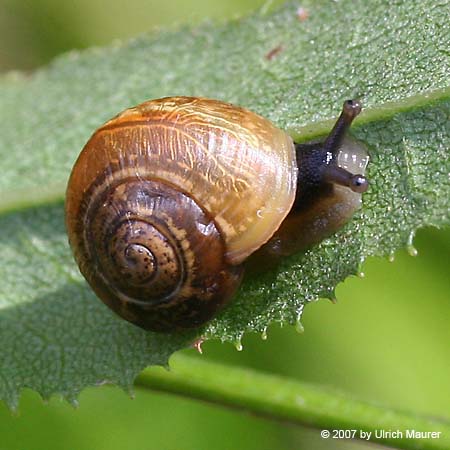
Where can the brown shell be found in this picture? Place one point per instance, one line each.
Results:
(205, 182)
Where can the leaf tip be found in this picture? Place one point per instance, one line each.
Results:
(412, 251)
(264, 334)
(197, 345)
(73, 401)
(238, 344)
(299, 326)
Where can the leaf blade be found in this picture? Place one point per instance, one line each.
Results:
(44, 304)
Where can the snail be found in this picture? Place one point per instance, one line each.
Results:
(168, 199)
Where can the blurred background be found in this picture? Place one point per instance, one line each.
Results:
(386, 341)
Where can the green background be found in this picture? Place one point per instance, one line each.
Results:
(387, 339)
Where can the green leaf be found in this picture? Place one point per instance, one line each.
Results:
(56, 336)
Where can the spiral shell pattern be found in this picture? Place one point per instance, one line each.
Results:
(167, 200)
(153, 255)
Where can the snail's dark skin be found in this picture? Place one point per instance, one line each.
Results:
(168, 199)
(327, 195)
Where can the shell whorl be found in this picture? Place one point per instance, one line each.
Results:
(152, 254)
(133, 242)
(167, 200)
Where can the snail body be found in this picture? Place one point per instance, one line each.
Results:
(168, 199)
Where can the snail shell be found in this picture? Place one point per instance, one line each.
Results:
(167, 200)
